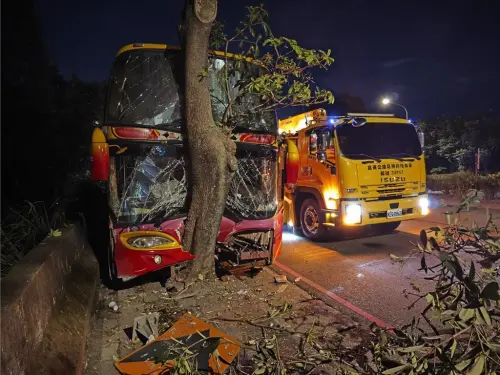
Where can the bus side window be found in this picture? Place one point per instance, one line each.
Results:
(313, 143)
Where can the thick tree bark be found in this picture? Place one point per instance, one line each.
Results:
(211, 151)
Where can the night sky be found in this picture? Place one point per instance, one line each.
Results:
(431, 58)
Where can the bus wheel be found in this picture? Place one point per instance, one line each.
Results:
(311, 219)
(386, 228)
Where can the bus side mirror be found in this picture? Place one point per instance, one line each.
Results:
(421, 138)
(321, 155)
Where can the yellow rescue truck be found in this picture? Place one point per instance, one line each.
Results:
(356, 170)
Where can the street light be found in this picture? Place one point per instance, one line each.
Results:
(387, 101)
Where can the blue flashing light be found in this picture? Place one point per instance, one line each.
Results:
(332, 121)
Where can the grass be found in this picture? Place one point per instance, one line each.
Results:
(459, 183)
(23, 228)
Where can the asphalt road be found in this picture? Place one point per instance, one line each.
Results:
(360, 270)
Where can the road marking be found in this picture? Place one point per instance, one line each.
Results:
(334, 297)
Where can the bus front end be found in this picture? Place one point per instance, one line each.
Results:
(146, 170)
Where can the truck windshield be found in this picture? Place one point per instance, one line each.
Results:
(146, 88)
(378, 140)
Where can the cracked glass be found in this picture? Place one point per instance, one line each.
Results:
(149, 181)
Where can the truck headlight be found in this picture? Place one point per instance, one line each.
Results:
(352, 214)
(331, 203)
(424, 205)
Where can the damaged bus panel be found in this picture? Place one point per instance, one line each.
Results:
(140, 155)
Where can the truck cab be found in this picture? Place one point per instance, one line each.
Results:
(357, 170)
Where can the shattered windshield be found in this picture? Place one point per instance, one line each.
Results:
(146, 88)
(149, 184)
(378, 140)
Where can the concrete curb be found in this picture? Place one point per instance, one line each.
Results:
(47, 303)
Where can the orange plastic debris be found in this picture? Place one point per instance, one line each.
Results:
(215, 350)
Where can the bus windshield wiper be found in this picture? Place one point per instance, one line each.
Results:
(366, 156)
(172, 126)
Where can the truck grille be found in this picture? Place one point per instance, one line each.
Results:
(390, 191)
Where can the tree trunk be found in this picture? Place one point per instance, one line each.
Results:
(211, 151)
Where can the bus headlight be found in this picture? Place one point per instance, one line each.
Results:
(352, 214)
(144, 242)
(424, 205)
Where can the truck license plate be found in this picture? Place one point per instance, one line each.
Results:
(394, 213)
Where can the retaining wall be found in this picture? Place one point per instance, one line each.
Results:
(47, 304)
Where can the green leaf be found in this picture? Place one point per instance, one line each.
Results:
(479, 317)
(472, 271)
(423, 238)
(396, 258)
(411, 349)
(443, 256)
(453, 347)
(454, 268)
(55, 233)
(490, 292)
(462, 365)
(486, 315)
(423, 264)
(299, 364)
(434, 243)
(466, 314)
(396, 370)
(494, 347)
(259, 371)
(478, 367)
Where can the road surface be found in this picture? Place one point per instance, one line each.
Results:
(360, 270)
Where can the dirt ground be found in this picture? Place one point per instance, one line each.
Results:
(250, 309)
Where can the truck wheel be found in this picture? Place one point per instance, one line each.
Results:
(311, 219)
(386, 228)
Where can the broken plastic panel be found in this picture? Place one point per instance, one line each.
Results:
(246, 246)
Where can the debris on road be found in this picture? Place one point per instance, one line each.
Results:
(270, 316)
(188, 340)
(145, 326)
(113, 305)
(280, 278)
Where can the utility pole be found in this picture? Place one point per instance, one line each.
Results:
(476, 166)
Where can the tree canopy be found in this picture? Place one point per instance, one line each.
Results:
(452, 141)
